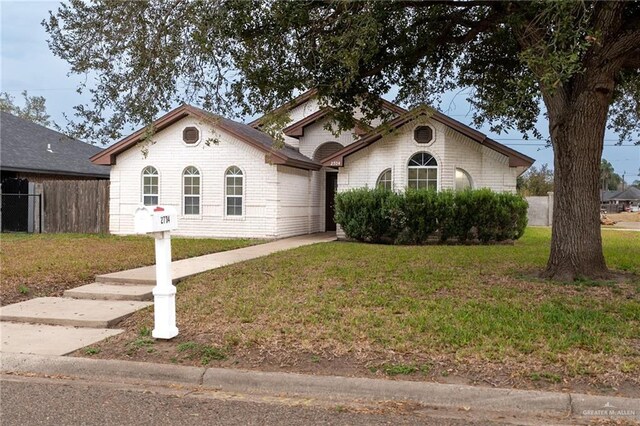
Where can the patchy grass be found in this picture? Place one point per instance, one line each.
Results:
(46, 264)
(475, 312)
(395, 369)
(91, 350)
(205, 353)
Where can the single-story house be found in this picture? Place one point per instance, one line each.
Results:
(617, 201)
(229, 179)
(36, 153)
(32, 155)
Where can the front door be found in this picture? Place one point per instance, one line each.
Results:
(330, 201)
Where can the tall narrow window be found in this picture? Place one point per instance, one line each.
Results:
(150, 186)
(463, 180)
(384, 180)
(191, 190)
(423, 172)
(234, 189)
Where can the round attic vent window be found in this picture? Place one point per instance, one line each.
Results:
(423, 134)
(191, 135)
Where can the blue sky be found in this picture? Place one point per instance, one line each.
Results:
(27, 63)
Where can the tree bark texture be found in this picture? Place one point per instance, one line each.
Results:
(577, 124)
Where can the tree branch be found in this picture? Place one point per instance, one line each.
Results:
(624, 45)
(421, 50)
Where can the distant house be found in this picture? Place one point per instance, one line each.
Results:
(32, 154)
(36, 153)
(246, 185)
(617, 201)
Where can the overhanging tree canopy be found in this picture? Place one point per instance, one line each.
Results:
(582, 59)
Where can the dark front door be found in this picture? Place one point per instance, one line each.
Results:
(15, 206)
(330, 201)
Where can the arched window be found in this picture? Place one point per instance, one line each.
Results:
(423, 171)
(234, 191)
(191, 190)
(384, 180)
(463, 180)
(150, 180)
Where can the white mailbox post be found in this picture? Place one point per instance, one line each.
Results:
(160, 221)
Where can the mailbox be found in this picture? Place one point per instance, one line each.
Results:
(159, 220)
(155, 219)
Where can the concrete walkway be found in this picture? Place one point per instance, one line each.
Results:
(185, 268)
(627, 226)
(85, 315)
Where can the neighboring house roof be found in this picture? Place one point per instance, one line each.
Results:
(630, 194)
(607, 195)
(516, 158)
(285, 155)
(30, 147)
(296, 130)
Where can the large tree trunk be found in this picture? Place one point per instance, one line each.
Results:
(577, 125)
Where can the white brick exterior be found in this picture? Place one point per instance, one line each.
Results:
(169, 155)
(487, 168)
(281, 201)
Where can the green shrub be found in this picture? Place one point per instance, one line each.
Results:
(366, 214)
(377, 215)
(419, 214)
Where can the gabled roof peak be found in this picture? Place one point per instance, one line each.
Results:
(277, 155)
(516, 159)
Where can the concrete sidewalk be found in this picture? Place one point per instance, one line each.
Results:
(545, 407)
(48, 325)
(184, 268)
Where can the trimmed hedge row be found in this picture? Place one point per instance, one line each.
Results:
(412, 217)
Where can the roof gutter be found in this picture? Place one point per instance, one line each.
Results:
(53, 172)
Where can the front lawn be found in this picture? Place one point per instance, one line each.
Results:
(46, 264)
(470, 314)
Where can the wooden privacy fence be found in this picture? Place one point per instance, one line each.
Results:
(80, 206)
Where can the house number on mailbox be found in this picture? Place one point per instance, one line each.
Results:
(165, 219)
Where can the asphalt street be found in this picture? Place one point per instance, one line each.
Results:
(62, 401)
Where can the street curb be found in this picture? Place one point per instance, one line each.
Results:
(434, 395)
(334, 388)
(99, 368)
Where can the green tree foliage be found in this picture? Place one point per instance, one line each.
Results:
(581, 59)
(536, 182)
(34, 108)
(611, 181)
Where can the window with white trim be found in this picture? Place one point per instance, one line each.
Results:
(150, 186)
(234, 191)
(423, 172)
(191, 191)
(463, 180)
(384, 180)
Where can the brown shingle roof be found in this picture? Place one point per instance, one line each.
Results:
(296, 129)
(285, 155)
